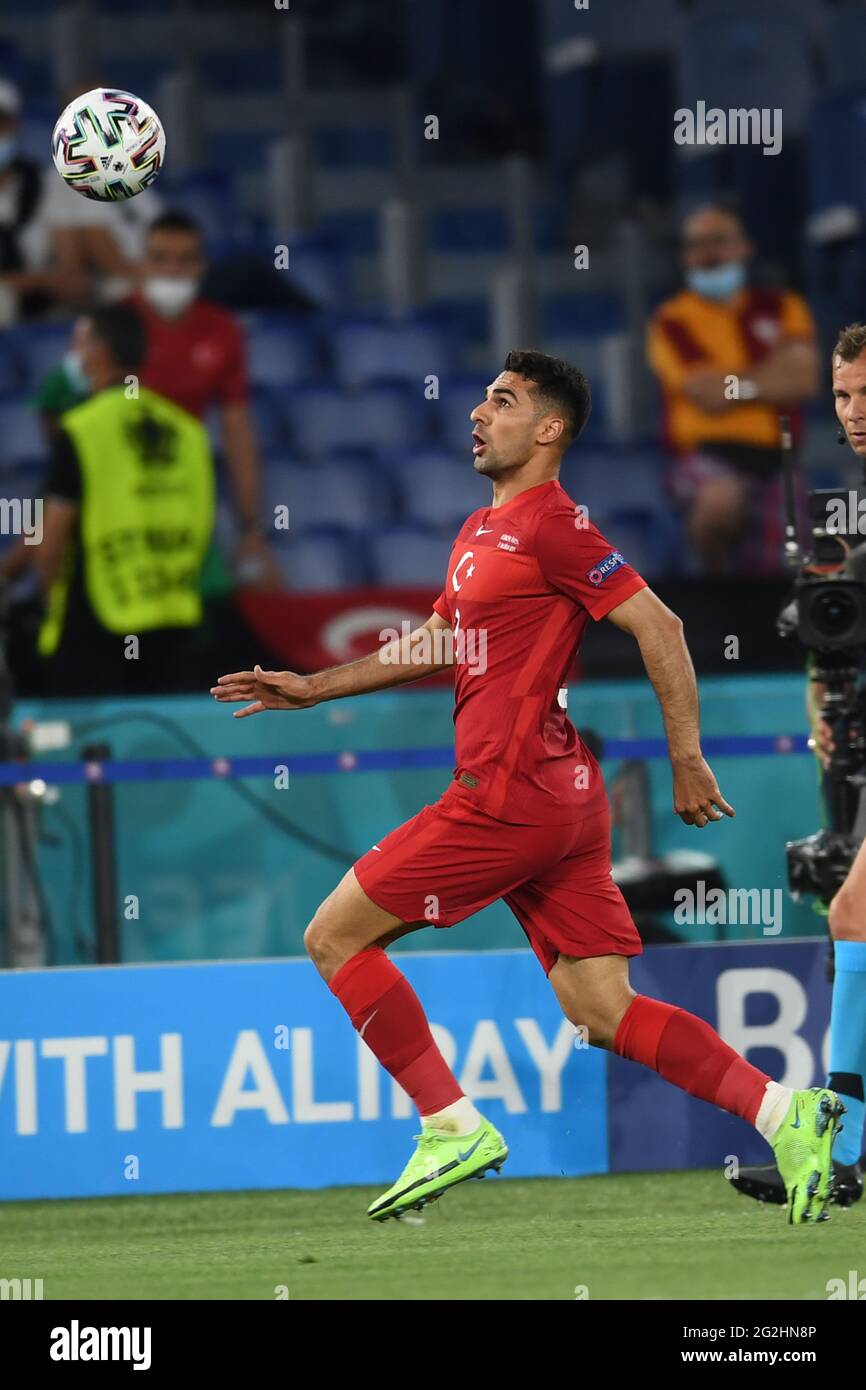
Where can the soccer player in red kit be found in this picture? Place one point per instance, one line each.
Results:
(526, 816)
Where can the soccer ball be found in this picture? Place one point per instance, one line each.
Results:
(108, 144)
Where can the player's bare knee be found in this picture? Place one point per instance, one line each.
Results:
(321, 946)
(847, 918)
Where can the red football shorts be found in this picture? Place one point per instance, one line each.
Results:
(452, 859)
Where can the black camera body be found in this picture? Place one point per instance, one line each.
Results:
(827, 614)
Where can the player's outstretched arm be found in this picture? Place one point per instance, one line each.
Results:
(659, 634)
(422, 653)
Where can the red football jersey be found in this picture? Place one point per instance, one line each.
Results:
(196, 360)
(523, 579)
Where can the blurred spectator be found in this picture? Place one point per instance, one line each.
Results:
(127, 518)
(57, 248)
(729, 357)
(39, 261)
(196, 356)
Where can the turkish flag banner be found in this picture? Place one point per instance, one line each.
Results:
(312, 631)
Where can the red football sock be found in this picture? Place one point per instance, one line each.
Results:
(690, 1054)
(387, 1012)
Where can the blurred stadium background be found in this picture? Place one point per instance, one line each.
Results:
(412, 264)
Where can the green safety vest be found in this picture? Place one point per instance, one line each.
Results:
(147, 514)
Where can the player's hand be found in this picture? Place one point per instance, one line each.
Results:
(697, 799)
(266, 690)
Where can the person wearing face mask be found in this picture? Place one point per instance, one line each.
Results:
(729, 356)
(196, 357)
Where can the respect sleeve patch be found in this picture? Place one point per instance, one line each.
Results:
(600, 572)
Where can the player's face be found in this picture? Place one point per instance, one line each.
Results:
(505, 425)
(849, 389)
(713, 238)
(173, 254)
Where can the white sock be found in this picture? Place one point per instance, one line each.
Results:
(774, 1108)
(458, 1118)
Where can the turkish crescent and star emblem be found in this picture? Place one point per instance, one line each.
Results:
(468, 555)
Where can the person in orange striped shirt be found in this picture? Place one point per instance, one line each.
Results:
(729, 357)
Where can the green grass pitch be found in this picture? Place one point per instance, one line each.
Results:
(634, 1236)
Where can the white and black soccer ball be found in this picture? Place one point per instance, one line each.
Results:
(108, 144)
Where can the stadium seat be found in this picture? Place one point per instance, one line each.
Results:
(319, 266)
(281, 350)
(356, 230)
(408, 555)
(640, 543)
(836, 127)
(41, 348)
(611, 479)
(435, 489)
(734, 54)
(11, 365)
(326, 418)
(457, 397)
(320, 563)
(330, 495)
(630, 28)
(21, 434)
(354, 147)
(844, 43)
(269, 408)
(372, 349)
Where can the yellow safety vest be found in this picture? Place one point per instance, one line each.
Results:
(147, 514)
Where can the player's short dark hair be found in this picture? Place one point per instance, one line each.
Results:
(851, 342)
(558, 385)
(175, 221)
(121, 328)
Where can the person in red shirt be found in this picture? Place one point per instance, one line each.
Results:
(197, 358)
(526, 816)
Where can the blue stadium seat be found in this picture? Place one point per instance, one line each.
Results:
(457, 397)
(372, 349)
(844, 44)
(282, 351)
(244, 70)
(354, 147)
(11, 365)
(319, 563)
(627, 29)
(409, 555)
(356, 230)
(269, 410)
(837, 126)
(639, 543)
(41, 348)
(21, 435)
(438, 490)
(736, 54)
(330, 495)
(320, 267)
(617, 479)
(208, 197)
(590, 315)
(325, 418)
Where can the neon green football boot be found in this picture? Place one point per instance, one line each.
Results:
(803, 1145)
(439, 1162)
